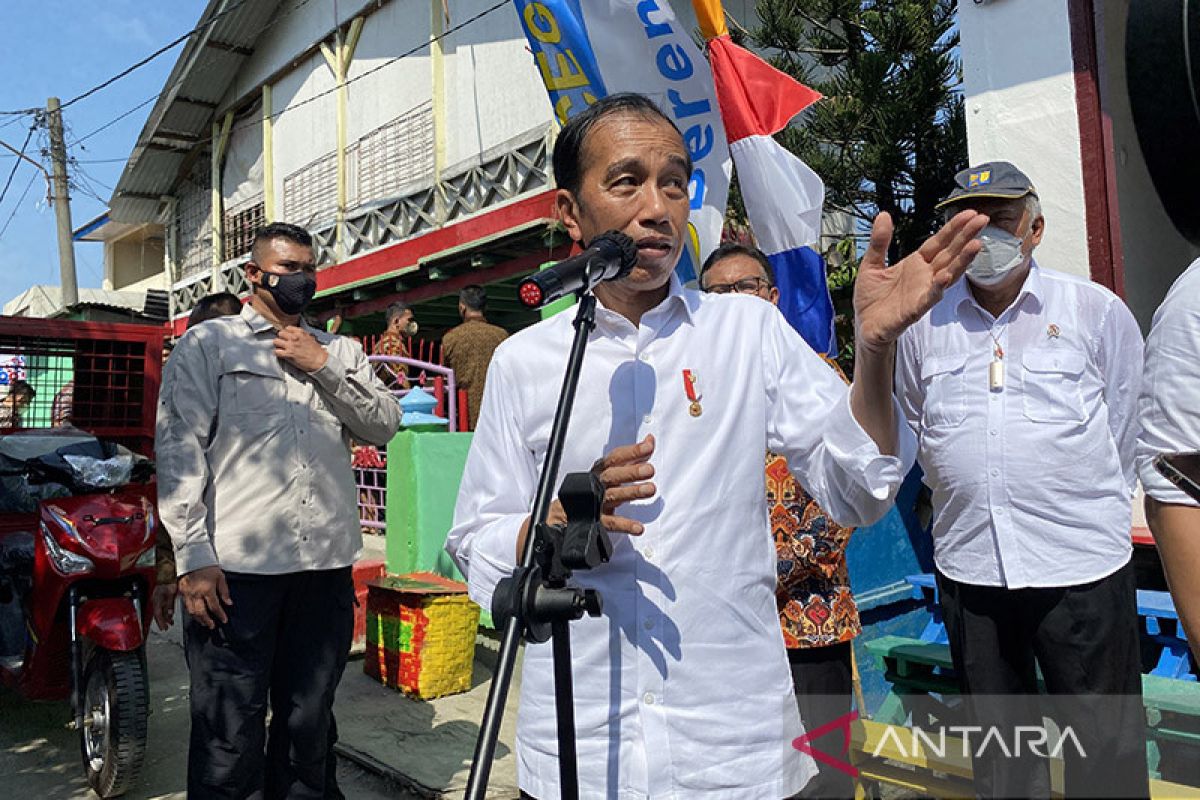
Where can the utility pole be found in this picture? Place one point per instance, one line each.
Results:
(62, 205)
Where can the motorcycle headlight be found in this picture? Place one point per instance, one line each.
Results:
(146, 559)
(64, 561)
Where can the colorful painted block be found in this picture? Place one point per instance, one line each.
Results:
(420, 634)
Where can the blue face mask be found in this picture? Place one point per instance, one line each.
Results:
(292, 291)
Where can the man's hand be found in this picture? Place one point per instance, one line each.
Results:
(625, 473)
(204, 591)
(162, 604)
(301, 349)
(889, 299)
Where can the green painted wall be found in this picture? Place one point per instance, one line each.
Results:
(424, 470)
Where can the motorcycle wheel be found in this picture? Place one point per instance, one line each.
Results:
(115, 710)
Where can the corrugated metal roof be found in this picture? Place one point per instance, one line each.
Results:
(183, 115)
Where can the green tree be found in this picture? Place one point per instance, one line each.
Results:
(891, 132)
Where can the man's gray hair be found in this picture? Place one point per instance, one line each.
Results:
(1033, 206)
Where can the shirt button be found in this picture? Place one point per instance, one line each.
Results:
(648, 699)
(648, 624)
(648, 553)
(994, 432)
(646, 420)
(644, 357)
(995, 473)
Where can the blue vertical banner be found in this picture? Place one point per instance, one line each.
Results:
(585, 50)
(563, 54)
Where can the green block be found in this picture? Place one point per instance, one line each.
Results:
(424, 471)
(406, 632)
(383, 631)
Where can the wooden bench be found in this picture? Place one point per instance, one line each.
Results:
(924, 688)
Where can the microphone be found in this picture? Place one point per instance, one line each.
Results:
(609, 257)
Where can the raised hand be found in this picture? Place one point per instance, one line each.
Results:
(889, 299)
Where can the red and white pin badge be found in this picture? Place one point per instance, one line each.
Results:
(691, 387)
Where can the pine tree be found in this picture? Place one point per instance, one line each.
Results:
(891, 132)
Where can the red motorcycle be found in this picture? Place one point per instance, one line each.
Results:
(77, 537)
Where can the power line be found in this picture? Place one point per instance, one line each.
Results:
(154, 55)
(373, 70)
(274, 21)
(114, 121)
(20, 200)
(17, 163)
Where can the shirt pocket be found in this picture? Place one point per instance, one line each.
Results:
(944, 379)
(1050, 385)
(251, 387)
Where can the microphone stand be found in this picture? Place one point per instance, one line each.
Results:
(536, 602)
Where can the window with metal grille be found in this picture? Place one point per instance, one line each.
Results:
(241, 225)
(193, 219)
(310, 193)
(396, 154)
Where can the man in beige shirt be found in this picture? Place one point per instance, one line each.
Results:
(255, 486)
(468, 348)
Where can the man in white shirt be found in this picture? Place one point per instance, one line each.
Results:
(1020, 385)
(1170, 423)
(682, 687)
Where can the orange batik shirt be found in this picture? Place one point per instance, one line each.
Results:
(813, 595)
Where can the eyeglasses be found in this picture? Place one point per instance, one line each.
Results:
(744, 286)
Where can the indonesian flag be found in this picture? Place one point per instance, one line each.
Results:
(783, 196)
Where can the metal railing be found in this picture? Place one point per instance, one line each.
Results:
(400, 375)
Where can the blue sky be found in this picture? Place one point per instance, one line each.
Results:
(63, 48)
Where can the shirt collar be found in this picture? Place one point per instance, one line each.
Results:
(960, 293)
(677, 295)
(260, 324)
(257, 322)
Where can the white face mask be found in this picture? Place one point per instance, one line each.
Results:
(1001, 254)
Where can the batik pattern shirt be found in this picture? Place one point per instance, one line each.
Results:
(816, 607)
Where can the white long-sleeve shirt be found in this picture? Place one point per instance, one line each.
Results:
(253, 454)
(1169, 408)
(1032, 483)
(682, 688)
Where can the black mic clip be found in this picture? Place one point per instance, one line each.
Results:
(538, 595)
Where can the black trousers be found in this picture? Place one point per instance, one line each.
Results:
(286, 643)
(824, 688)
(1084, 639)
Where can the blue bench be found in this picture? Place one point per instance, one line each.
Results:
(1154, 608)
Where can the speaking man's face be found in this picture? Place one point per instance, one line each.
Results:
(634, 180)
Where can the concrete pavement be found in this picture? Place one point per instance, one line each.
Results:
(39, 757)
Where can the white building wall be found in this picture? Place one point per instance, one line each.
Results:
(493, 90)
(1019, 86)
(378, 94)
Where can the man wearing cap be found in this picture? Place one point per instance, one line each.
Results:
(1021, 384)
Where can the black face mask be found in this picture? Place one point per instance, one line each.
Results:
(292, 291)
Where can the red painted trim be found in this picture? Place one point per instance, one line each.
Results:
(525, 263)
(408, 252)
(1095, 146)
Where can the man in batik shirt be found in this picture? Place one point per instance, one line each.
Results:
(816, 609)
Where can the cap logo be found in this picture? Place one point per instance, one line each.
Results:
(977, 179)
